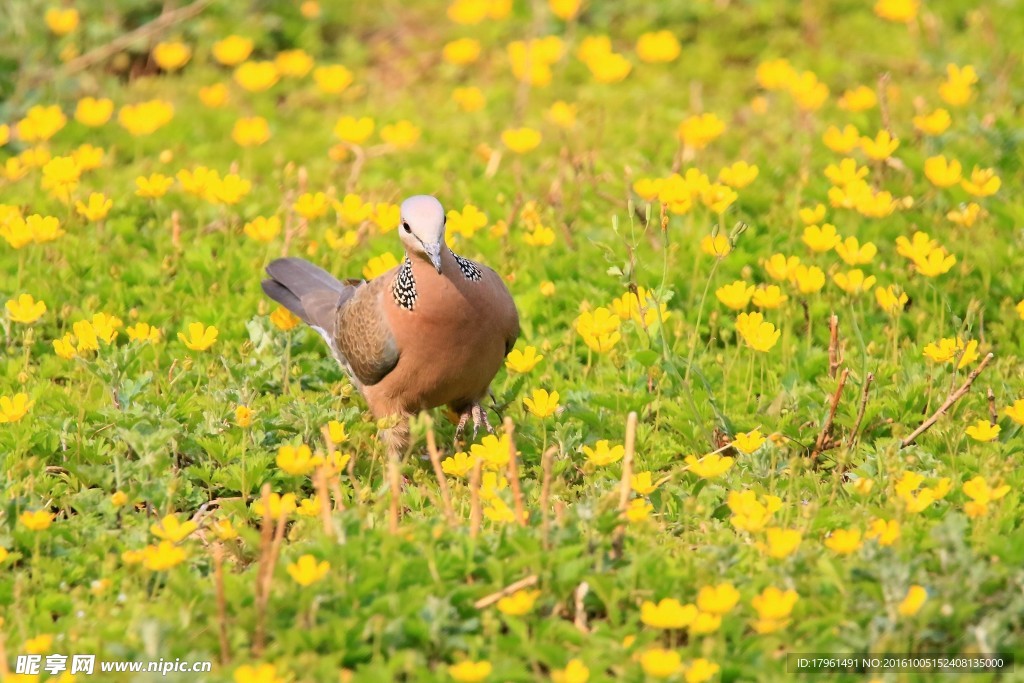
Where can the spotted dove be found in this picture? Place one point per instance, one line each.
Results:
(432, 331)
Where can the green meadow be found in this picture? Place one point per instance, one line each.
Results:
(767, 399)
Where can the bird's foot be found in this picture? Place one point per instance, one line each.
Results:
(479, 415)
(480, 418)
(460, 428)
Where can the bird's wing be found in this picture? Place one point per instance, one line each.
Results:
(363, 335)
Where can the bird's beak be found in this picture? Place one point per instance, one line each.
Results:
(433, 252)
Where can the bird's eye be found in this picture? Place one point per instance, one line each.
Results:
(406, 226)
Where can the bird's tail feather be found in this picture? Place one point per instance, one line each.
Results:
(306, 290)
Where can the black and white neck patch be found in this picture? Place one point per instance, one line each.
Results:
(469, 269)
(404, 287)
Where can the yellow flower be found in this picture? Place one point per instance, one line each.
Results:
(61, 21)
(911, 604)
(400, 135)
(542, 404)
(847, 172)
(700, 670)
(170, 529)
(243, 416)
(36, 520)
(276, 507)
(250, 131)
(224, 530)
(941, 172)
(715, 245)
(983, 182)
(717, 599)
(699, 131)
(493, 451)
(983, 431)
(660, 663)
(667, 614)
(171, 56)
(333, 79)
(1016, 411)
(259, 673)
(981, 494)
(781, 543)
(263, 229)
(13, 408)
(860, 98)
(562, 114)
(966, 214)
(311, 205)
(641, 483)
(575, 671)
(658, 47)
(781, 267)
(523, 361)
(284, 319)
(936, 262)
(807, 91)
(640, 307)
(718, 198)
(119, 499)
(841, 141)
(886, 531)
(293, 63)
(547, 288)
(5, 134)
(889, 301)
(378, 265)
(599, 329)
(214, 96)
(898, 11)
(844, 541)
(934, 123)
(735, 295)
(233, 50)
(297, 460)
(145, 118)
(519, 603)
(769, 297)
(468, 671)
(750, 514)
(710, 466)
(106, 327)
(854, 253)
(639, 510)
(25, 309)
(41, 123)
(609, 67)
(200, 337)
(853, 281)
(758, 334)
(257, 76)
(462, 51)
(748, 442)
(540, 236)
(153, 186)
(957, 89)
(458, 465)
(94, 112)
(228, 190)
(812, 215)
(603, 454)
(774, 607)
(705, 623)
(809, 279)
(161, 557)
(352, 130)
(566, 10)
(469, 99)
(96, 209)
(738, 175)
(306, 570)
(521, 140)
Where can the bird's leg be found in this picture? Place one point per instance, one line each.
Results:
(480, 418)
(396, 439)
(460, 428)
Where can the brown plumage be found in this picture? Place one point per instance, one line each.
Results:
(432, 331)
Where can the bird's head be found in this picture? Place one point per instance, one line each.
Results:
(422, 228)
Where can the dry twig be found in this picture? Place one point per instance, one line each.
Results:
(948, 403)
